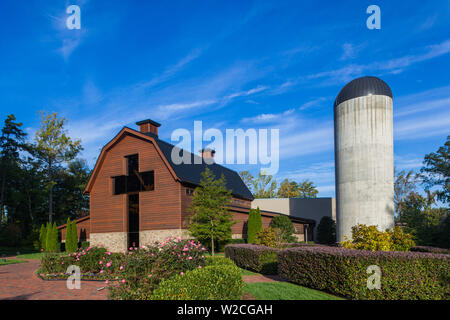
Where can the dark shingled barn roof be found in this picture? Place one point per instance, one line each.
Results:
(191, 173)
(361, 87)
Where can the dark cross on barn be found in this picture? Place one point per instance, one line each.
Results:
(131, 184)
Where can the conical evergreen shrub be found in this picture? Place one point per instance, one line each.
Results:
(71, 236)
(48, 236)
(254, 225)
(42, 236)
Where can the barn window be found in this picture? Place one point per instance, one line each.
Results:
(148, 180)
(189, 191)
(120, 184)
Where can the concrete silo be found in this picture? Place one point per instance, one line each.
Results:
(364, 156)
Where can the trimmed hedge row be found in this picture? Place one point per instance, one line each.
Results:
(404, 275)
(430, 249)
(250, 256)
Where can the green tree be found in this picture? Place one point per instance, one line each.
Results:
(52, 244)
(54, 147)
(287, 189)
(284, 224)
(254, 224)
(264, 186)
(211, 221)
(326, 230)
(292, 189)
(48, 236)
(12, 141)
(42, 237)
(71, 236)
(405, 183)
(444, 233)
(422, 218)
(68, 191)
(436, 172)
(307, 189)
(248, 179)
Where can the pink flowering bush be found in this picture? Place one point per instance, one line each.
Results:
(89, 260)
(132, 274)
(143, 268)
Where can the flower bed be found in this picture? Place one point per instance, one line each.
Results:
(131, 275)
(404, 275)
(257, 258)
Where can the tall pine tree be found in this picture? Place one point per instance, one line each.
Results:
(12, 141)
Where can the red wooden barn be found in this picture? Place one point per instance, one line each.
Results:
(138, 195)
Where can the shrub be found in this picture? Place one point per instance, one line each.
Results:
(400, 241)
(254, 224)
(257, 258)
(42, 237)
(217, 260)
(269, 237)
(55, 263)
(84, 245)
(87, 260)
(404, 275)
(326, 230)
(143, 268)
(71, 236)
(216, 282)
(286, 227)
(52, 244)
(370, 238)
(430, 249)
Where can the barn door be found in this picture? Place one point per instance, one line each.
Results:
(133, 220)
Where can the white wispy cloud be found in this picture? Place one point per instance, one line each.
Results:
(312, 103)
(397, 65)
(422, 127)
(350, 51)
(422, 114)
(268, 117)
(172, 70)
(407, 162)
(306, 141)
(321, 173)
(247, 92)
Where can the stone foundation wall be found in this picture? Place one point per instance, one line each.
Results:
(149, 237)
(112, 241)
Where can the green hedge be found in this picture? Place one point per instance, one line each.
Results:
(257, 258)
(404, 275)
(218, 261)
(430, 249)
(215, 282)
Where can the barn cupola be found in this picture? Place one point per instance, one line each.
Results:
(148, 126)
(208, 154)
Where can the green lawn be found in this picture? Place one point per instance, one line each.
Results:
(285, 291)
(9, 261)
(34, 256)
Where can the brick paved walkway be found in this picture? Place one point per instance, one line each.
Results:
(19, 282)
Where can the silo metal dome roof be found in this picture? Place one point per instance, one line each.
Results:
(361, 87)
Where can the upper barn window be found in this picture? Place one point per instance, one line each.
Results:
(135, 181)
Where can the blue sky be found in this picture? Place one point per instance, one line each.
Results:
(231, 64)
